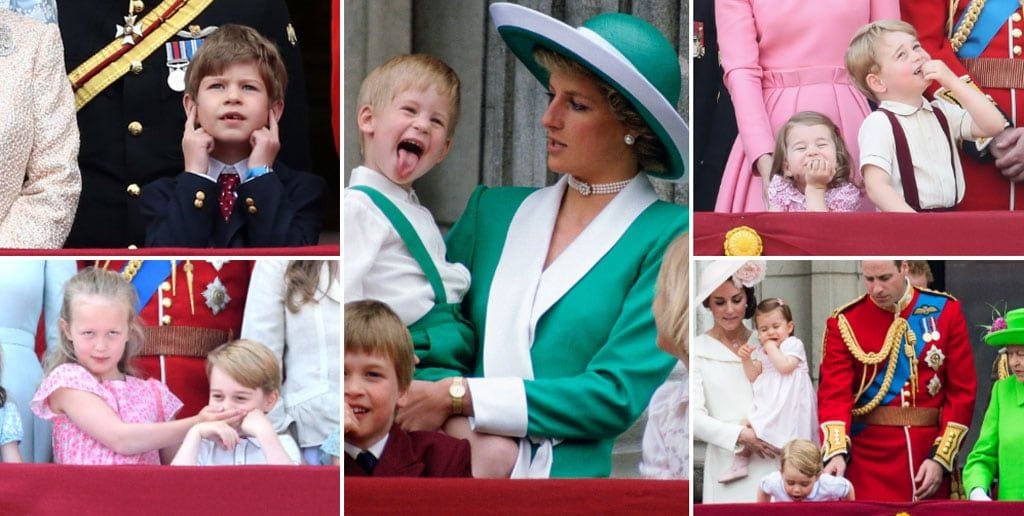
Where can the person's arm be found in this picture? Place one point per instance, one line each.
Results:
(752, 368)
(885, 197)
(763, 497)
(986, 120)
(90, 413)
(850, 496)
(784, 362)
(835, 399)
(179, 211)
(281, 208)
(264, 321)
(818, 174)
(49, 183)
(258, 426)
(983, 461)
(959, 385)
(9, 453)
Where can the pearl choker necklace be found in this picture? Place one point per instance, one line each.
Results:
(587, 189)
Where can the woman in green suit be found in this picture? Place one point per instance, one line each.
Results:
(1000, 447)
(563, 276)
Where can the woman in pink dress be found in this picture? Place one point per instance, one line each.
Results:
(781, 57)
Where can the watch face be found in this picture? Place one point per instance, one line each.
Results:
(457, 391)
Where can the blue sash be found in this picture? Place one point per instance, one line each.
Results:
(928, 306)
(151, 274)
(991, 18)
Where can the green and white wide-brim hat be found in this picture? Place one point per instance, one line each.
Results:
(625, 51)
(1012, 332)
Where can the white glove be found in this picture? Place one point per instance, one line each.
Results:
(979, 495)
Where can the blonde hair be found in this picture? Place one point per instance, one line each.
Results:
(803, 455)
(862, 54)
(108, 285)
(232, 44)
(650, 152)
(410, 72)
(810, 118)
(672, 300)
(247, 362)
(301, 279)
(920, 268)
(371, 327)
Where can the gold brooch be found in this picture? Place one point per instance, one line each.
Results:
(743, 241)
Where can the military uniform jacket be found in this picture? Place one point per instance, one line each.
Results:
(581, 329)
(116, 164)
(881, 455)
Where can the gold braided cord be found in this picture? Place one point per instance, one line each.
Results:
(953, 4)
(898, 330)
(965, 28)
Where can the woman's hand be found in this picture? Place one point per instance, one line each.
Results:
(425, 406)
(748, 438)
(763, 165)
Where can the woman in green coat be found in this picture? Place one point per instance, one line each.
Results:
(563, 277)
(999, 450)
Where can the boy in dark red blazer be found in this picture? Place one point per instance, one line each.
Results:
(378, 371)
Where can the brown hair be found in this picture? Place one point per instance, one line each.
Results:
(232, 44)
(803, 455)
(671, 297)
(108, 285)
(406, 72)
(247, 362)
(648, 148)
(920, 267)
(809, 118)
(301, 279)
(371, 327)
(862, 54)
(770, 305)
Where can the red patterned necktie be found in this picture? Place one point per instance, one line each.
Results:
(228, 181)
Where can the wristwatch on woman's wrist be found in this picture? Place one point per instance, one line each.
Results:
(457, 390)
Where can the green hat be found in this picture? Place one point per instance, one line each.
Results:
(1011, 333)
(625, 51)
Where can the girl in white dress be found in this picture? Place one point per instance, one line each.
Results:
(799, 479)
(784, 405)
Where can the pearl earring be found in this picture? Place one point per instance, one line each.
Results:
(629, 139)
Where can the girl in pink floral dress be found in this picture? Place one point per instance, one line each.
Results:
(102, 414)
(811, 167)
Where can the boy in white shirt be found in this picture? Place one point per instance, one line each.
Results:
(907, 147)
(394, 252)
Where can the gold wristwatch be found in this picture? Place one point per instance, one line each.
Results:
(457, 390)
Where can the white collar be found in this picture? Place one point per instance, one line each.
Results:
(377, 448)
(362, 175)
(902, 109)
(217, 167)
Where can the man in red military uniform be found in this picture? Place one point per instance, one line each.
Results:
(187, 308)
(897, 388)
(985, 47)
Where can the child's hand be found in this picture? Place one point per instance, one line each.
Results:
(936, 70)
(256, 423)
(351, 423)
(819, 172)
(265, 143)
(745, 351)
(196, 145)
(770, 343)
(211, 413)
(220, 432)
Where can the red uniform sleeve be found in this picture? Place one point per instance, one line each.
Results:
(960, 382)
(835, 386)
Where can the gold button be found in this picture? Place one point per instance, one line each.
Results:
(1017, 33)
(252, 210)
(137, 6)
(1015, 17)
(1016, 50)
(134, 190)
(135, 128)
(135, 66)
(201, 195)
(166, 302)
(133, 246)
(249, 201)
(165, 286)
(905, 403)
(198, 203)
(165, 320)
(905, 393)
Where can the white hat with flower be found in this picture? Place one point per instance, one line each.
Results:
(744, 273)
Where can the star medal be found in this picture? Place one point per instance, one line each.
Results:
(216, 296)
(934, 358)
(179, 54)
(129, 31)
(927, 334)
(934, 385)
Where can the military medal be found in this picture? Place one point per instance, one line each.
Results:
(129, 31)
(927, 334)
(216, 296)
(935, 329)
(934, 358)
(697, 50)
(179, 54)
(934, 385)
